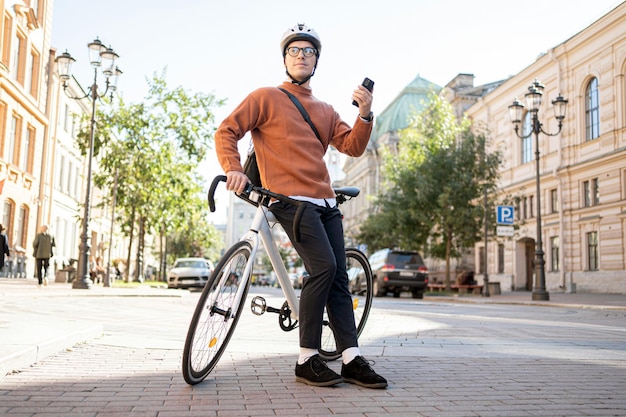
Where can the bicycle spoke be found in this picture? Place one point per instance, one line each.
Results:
(216, 315)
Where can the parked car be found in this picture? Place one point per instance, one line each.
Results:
(396, 271)
(189, 272)
(356, 280)
(300, 280)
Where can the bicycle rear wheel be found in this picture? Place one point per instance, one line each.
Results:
(360, 284)
(216, 314)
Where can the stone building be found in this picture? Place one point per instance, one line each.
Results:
(24, 123)
(582, 169)
(42, 171)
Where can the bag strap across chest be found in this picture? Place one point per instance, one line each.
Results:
(304, 113)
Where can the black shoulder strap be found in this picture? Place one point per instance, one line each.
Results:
(302, 111)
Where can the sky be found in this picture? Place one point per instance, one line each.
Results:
(231, 47)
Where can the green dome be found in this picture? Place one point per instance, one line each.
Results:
(412, 99)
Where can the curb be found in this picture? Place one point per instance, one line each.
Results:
(33, 353)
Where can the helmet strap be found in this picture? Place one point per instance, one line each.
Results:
(294, 81)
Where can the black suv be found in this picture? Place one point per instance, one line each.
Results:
(396, 271)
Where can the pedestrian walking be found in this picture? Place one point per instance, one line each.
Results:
(43, 250)
(290, 146)
(4, 247)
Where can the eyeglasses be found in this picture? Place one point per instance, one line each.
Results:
(307, 51)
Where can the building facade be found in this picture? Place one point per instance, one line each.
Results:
(582, 169)
(24, 122)
(42, 171)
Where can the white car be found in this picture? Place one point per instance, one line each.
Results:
(189, 272)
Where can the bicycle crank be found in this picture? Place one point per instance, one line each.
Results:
(285, 320)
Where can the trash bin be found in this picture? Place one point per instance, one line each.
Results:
(61, 276)
(494, 288)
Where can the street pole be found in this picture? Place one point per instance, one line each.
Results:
(97, 54)
(486, 203)
(107, 281)
(83, 280)
(539, 289)
(533, 100)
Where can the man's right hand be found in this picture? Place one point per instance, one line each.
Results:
(236, 181)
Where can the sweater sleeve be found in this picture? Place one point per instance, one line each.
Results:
(351, 141)
(233, 128)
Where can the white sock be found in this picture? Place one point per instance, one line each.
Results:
(305, 354)
(349, 354)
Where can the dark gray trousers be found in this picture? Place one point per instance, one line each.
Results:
(323, 252)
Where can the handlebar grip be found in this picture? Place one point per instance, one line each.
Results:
(296, 221)
(211, 194)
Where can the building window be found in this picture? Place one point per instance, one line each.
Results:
(554, 201)
(554, 253)
(591, 193)
(592, 251)
(14, 140)
(3, 138)
(7, 218)
(31, 83)
(531, 205)
(6, 39)
(60, 172)
(67, 119)
(22, 227)
(500, 258)
(527, 142)
(18, 66)
(26, 150)
(592, 110)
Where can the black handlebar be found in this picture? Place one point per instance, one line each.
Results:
(343, 194)
(211, 195)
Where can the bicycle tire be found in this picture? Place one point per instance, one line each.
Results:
(360, 283)
(212, 326)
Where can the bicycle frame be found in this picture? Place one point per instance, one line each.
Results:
(222, 300)
(261, 227)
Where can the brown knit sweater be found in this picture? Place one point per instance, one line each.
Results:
(290, 157)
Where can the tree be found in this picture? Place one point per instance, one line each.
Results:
(155, 147)
(435, 185)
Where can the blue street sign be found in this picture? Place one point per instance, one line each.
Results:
(505, 214)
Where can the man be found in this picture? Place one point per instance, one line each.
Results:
(4, 250)
(42, 251)
(291, 162)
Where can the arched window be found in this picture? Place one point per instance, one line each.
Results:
(527, 142)
(592, 110)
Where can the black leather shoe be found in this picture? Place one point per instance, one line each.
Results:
(359, 372)
(315, 372)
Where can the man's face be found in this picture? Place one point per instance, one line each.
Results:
(300, 66)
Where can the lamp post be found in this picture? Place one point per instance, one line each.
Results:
(533, 101)
(100, 57)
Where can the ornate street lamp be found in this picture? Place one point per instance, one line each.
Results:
(533, 102)
(100, 57)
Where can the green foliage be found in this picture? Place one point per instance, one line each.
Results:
(154, 148)
(436, 181)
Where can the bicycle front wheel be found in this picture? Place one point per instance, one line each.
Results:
(216, 314)
(360, 285)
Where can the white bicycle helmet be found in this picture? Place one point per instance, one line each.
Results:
(300, 32)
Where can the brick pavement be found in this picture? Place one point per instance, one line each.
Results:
(485, 367)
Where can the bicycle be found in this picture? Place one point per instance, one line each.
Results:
(223, 298)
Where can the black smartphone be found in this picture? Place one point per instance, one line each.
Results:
(367, 83)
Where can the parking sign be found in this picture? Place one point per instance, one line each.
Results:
(505, 214)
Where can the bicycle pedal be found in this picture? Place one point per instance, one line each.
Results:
(258, 306)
